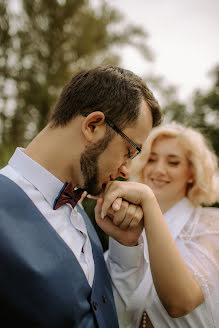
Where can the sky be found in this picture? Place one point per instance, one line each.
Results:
(183, 35)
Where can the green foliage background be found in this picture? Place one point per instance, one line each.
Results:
(43, 43)
(41, 46)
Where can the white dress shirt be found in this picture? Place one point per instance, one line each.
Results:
(42, 188)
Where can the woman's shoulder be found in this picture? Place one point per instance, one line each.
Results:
(209, 213)
(204, 232)
(208, 221)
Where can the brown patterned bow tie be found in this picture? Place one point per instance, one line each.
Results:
(68, 195)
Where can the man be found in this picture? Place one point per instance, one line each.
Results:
(53, 272)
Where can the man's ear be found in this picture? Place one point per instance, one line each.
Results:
(93, 126)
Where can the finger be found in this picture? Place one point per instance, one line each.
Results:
(128, 238)
(110, 195)
(132, 192)
(94, 197)
(108, 226)
(98, 208)
(138, 217)
(82, 197)
(130, 214)
(116, 205)
(110, 213)
(121, 214)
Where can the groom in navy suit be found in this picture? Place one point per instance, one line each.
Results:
(53, 272)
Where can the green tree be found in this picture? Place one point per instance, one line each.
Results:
(205, 115)
(201, 113)
(42, 43)
(172, 108)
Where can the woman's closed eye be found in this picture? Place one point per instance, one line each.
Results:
(174, 163)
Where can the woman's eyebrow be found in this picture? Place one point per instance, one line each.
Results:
(174, 156)
(171, 155)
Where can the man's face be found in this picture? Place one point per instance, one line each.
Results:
(106, 160)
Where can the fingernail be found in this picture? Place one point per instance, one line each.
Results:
(116, 206)
(102, 215)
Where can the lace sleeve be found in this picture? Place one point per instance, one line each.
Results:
(199, 245)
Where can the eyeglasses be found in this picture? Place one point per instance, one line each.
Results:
(123, 135)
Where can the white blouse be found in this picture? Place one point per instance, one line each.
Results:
(196, 234)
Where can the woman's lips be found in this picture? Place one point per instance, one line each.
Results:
(159, 182)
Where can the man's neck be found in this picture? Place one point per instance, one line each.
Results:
(51, 150)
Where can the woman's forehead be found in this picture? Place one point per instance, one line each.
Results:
(173, 145)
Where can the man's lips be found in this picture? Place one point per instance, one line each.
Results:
(104, 184)
(100, 195)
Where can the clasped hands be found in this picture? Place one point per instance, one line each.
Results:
(119, 211)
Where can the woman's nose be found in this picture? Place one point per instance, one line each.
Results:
(160, 166)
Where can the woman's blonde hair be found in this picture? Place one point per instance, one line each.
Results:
(204, 164)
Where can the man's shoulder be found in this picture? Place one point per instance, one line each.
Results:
(5, 179)
(10, 191)
(9, 173)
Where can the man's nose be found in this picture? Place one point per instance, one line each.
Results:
(125, 169)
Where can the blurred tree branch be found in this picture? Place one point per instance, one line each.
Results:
(202, 112)
(42, 44)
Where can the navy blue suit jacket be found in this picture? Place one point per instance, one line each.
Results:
(41, 282)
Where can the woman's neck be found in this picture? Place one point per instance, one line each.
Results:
(166, 205)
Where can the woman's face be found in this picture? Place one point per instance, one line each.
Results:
(167, 171)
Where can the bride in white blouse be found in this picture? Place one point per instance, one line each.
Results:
(181, 286)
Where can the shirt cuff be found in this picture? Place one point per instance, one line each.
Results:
(126, 256)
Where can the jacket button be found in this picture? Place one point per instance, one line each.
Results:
(104, 298)
(95, 306)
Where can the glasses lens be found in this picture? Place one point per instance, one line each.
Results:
(133, 156)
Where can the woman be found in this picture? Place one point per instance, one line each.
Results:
(182, 278)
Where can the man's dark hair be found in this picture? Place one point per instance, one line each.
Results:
(115, 91)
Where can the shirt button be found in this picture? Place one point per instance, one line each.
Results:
(104, 298)
(95, 306)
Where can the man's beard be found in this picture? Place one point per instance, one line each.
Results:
(89, 166)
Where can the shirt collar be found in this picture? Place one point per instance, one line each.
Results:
(44, 181)
(178, 215)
